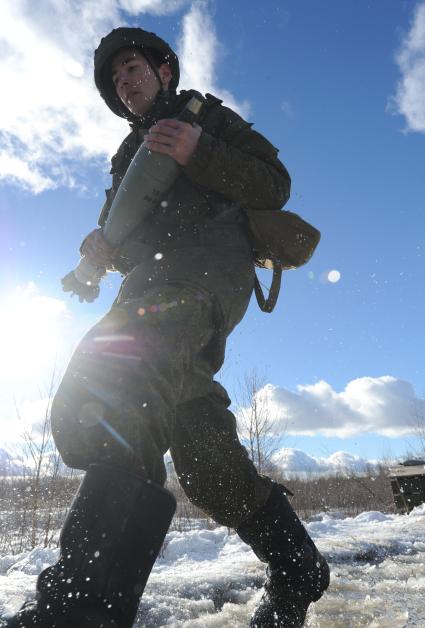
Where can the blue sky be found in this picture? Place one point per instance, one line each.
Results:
(339, 88)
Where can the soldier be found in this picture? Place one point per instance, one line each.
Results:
(142, 380)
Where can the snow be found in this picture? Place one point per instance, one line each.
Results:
(294, 462)
(207, 578)
(289, 460)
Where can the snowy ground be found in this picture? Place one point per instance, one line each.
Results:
(209, 579)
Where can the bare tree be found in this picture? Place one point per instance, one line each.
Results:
(348, 493)
(419, 426)
(416, 445)
(255, 423)
(42, 474)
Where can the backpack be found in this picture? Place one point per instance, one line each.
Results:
(281, 240)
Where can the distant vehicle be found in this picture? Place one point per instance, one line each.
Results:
(408, 484)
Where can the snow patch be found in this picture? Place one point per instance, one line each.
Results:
(210, 579)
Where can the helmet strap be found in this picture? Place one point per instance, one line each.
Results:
(154, 69)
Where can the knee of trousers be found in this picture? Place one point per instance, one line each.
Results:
(81, 444)
(87, 429)
(212, 466)
(116, 402)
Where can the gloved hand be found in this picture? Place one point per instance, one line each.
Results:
(97, 249)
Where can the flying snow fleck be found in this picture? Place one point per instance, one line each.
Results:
(334, 276)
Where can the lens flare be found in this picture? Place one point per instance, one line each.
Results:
(30, 331)
(334, 276)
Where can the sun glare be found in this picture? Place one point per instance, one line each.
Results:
(30, 332)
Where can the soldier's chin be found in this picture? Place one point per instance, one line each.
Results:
(139, 107)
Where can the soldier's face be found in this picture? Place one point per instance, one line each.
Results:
(135, 82)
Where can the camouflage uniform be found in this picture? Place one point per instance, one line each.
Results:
(142, 380)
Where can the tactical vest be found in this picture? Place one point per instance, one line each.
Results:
(176, 221)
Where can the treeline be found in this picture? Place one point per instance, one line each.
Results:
(32, 509)
(349, 494)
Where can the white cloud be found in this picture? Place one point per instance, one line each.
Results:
(296, 462)
(51, 116)
(26, 417)
(199, 53)
(410, 97)
(18, 170)
(156, 7)
(50, 111)
(383, 405)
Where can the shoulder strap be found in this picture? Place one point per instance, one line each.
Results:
(267, 305)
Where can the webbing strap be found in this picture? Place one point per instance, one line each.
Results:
(267, 305)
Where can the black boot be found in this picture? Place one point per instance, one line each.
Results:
(297, 573)
(109, 543)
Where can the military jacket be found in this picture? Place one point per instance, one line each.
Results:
(233, 168)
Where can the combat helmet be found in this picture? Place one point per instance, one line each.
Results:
(152, 47)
